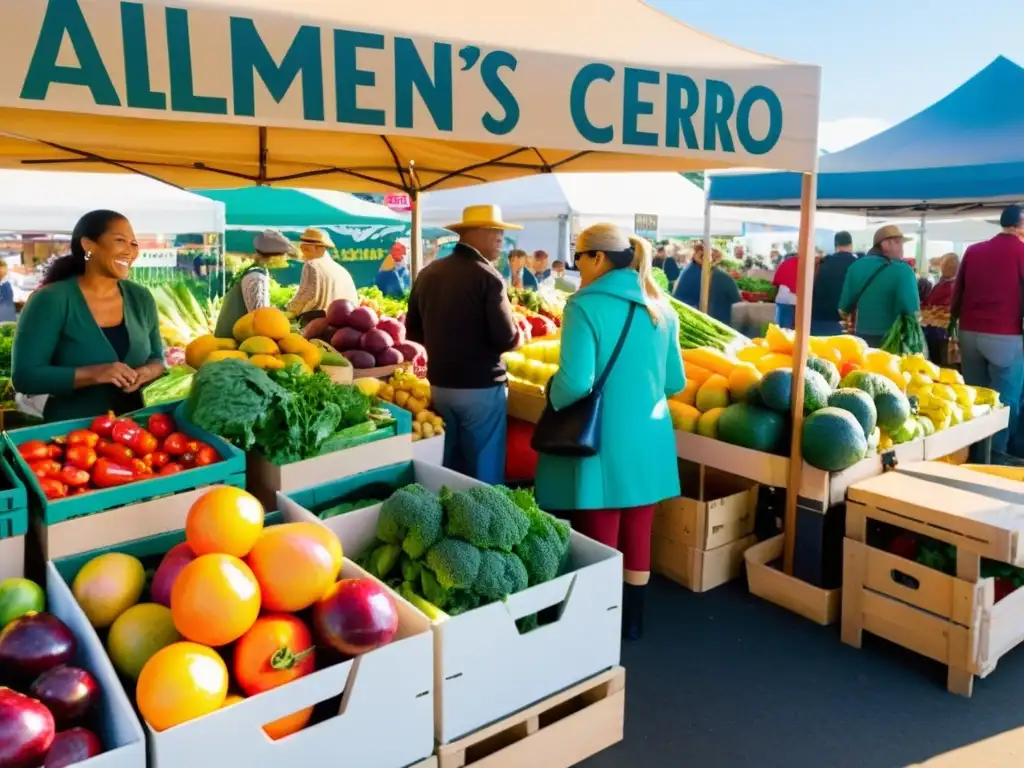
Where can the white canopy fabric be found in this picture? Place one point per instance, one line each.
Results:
(53, 203)
(405, 94)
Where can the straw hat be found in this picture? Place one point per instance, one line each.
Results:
(315, 236)
(481, 217)
(889, 232)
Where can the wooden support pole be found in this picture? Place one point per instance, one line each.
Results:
(705, 271)
(416, 236)
(801, 345)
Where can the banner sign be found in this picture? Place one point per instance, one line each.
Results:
(218, 63)
(646, 225)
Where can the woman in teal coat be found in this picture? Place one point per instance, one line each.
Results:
(610, 497)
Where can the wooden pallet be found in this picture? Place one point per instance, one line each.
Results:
(558, 732)
(951, 619)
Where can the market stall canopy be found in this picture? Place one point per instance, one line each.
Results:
(272, 207)
(53, 202)
(405, 95)
(963, 152)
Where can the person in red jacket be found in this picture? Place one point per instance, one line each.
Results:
(941, 295)
(988, 307)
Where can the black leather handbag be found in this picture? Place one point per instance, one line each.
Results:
(575, 431)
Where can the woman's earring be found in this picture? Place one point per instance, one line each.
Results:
(88, 255)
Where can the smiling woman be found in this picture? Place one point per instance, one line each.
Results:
(88, 338)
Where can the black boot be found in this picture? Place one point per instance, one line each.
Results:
(632, 611)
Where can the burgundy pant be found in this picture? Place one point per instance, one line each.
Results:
(627, 530)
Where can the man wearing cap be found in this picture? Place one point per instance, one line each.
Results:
(459, 311)
(323, 279)
(252, 290)
(393, 277)
(828, 286)
(987, 305)
(879, 287)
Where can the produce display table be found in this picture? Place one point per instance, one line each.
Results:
(956, 617)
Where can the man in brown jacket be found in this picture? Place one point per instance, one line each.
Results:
(459, 311)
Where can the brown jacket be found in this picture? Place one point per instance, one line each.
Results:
(459, 311)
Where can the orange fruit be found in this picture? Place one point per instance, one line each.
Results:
(288, 724)
(225, 521)
(180, 683)
(295, 564)
(215, 600)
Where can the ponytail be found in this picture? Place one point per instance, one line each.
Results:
(643, 264)
(91, 226)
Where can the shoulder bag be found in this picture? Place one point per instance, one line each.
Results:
(575, 431)
(851, 319)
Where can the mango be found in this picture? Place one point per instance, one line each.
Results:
(227, 344)
(259, 345)
(225, 354)
(270, 322)
(293, 344)
(199, 348)
(288, 360)
(267, 362)
(107, 586)
(243, 328)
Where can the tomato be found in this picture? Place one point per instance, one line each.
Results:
(215, 600)
(277, 649)
(161, 425)
(53, 488)
(180, 683)
(141, 469)
(206, 456)
(171, 469)
(295, 565)
(45, 468)
(107, 474)
(224, 520)
(74, 477)
(103, 425)
(176, 444)
(120, 454)
(81, 456)
(83, 437)
(288, 724)
(158, 459)
(56, 451)
(34, 450)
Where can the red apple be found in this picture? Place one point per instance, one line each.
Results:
(73, 746)
(174, 561)
(356, 616)
(68, 692)
(26, 730)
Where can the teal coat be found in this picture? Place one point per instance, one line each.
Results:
(636, 460)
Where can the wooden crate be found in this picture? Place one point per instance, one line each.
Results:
(951, 619)
(696, 569)
(558, 732)
(770, 583)
(525, 405)
(715, 509)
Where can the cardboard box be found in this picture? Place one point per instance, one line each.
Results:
(525, 406)
(484, 668)
(715, 508)
(386, 711)
(264, 480)
(430, 450)
(696, 569)
(119, 727)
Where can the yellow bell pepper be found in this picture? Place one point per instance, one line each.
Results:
(987, 396)
(950, 376)
(710, 359)
(965, 395)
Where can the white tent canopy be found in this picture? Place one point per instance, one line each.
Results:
(53, 203)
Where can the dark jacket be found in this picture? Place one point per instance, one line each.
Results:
(722, 294)
(828, 286)
(459, 311)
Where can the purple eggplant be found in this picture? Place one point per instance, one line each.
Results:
(68, 692)
(33, 644)
(75, 745)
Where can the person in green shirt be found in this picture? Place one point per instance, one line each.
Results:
(89, 339)
(879, 287)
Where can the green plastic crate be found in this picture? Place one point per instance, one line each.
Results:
(319, 497)
(229, 471)
(13, 502)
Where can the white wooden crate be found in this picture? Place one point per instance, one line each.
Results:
(484, 669)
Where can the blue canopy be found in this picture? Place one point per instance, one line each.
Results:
(965, 151)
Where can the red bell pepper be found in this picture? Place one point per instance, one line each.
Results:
(73, 477)
(176, 444)
(116, 452)
(81, 456)
(34, 450)
(107, 474)
(83, 437)
(161, 425)
(45, 468)
(171, 469)
(56, 451)
(141, 469)
(205, 456)
(53, 488)
(79, 490)
(103, 425)
(125, 432)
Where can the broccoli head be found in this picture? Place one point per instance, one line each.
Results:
(381, 560)
(485, 517)
(501, 574)
(411, 518)
(432, 591)
(461, 601)
(411, 569)
(542, 554)
(455, 563)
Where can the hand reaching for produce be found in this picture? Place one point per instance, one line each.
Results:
(118, 374)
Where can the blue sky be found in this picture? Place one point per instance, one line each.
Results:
(882, 60)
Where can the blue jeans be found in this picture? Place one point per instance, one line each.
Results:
(785, 315)
(996, 361)
(475, 426)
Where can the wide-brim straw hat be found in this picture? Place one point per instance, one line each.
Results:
(315, 236)
(889, 232)
(481, 217)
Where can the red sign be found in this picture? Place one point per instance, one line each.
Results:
(399, 202)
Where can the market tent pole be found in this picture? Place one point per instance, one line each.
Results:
(705, 268)
(416, 235)
(922, 246)
(801, 342)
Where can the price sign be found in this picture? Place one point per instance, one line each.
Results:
(646, 225)
(399, 202)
